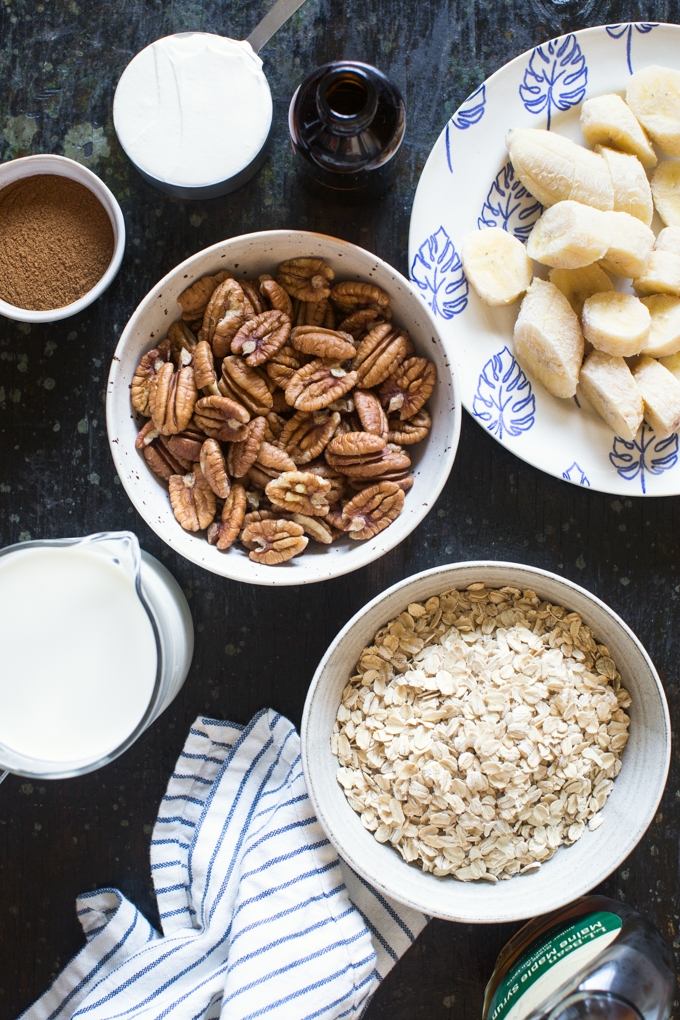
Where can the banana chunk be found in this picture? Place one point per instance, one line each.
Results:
(570, 235)
(579, 284)
(666, 192)
(548, 339)
(664, 331)
(653, 95)
(554, 169)
(608, 385)
(606, 120)
(672, 363)
(662, 275)
(497, 265)
(631, 246)
(616, 323)
(632, 193)
(660, 392)
(668, 239)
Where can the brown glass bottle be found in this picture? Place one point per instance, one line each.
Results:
(347, 121)
(596, 959)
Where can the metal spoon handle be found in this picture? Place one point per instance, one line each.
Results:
(277, 16)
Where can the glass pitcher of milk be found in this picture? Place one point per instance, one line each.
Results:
(96, 640)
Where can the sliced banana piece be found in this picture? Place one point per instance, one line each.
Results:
(548, 339)
(630, 248)
(570, 235)
(579, 284)
(608, 385)
(664, 331)
(616, 323)
(554, 169)
(653, 95)
(661, 276)
(632, 193)
(666, 192)
(606, 120)
(668, 239)
(672, 363)
(660, 392)
(497, 265)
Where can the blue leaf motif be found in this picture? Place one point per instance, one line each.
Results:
(471, 111)
(638, 458)
(556, 76)
(575, 474)
(504, 401)
(438, 271)
(618, 31)
(509, 205)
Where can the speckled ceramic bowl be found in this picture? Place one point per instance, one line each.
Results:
(573, 870)
(248, 256)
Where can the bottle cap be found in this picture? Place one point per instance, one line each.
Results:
(193, 113)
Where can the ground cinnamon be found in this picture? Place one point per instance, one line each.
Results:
(56, 242)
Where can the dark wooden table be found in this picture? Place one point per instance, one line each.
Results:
(59, 63)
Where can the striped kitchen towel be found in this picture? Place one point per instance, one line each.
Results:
(260, 918)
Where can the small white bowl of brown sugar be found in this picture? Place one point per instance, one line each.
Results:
(62, 238)
(485, 742)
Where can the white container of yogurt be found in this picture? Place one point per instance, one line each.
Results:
(97, 640)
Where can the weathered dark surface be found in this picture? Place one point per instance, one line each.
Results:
(59, 63)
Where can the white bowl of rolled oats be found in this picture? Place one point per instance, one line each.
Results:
(281, 409)
(485, 742)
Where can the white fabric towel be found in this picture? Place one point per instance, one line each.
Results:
(260, 918)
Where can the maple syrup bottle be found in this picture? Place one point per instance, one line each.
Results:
(596, 959)
(346, 122)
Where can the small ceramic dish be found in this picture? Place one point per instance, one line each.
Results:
(573, 870)
(248, 256)
(61, 166)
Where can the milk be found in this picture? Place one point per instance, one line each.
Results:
(79, 657)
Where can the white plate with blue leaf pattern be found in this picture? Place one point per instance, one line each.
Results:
(469, 183)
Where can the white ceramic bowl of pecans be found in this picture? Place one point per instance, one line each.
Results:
(237, 433)
(541, 760)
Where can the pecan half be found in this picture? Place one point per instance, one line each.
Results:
(227, 311)
(318, 384)
(352, 295)
(315, 313)
(146, 371)
(357, 444)
(242, 455)
(194, 300)
(204, 368)
(214, 468)
(274, 542)
(261, 337)
(276, 295)
(272, 460)
(254, 303)
(301, 492)
(337, 480)
(193, 501)
(306, 278)
(307, 434)
(162, 462)
(359, 323)
(283, 365)
(390, 459)
(411, 431)
(371, 414)
(172, 397)
(379, 354)
(407, 389)
(223, 533)
(245, 384)
(323, 343)
(221, 418)
(373, 510)
(182, 344)
(315, 527)
(186, 444)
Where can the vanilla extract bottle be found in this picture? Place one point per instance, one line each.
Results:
(347, 122)
(596, 959)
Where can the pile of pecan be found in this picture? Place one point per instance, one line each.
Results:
(278, 410)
